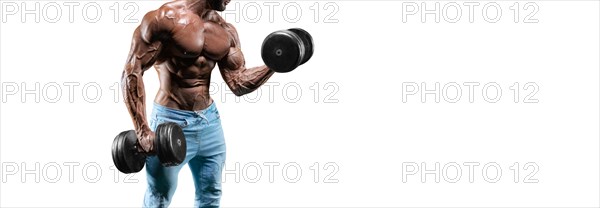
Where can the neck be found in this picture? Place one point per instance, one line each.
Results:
(200, 7)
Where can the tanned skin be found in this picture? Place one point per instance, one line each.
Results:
(184, 40)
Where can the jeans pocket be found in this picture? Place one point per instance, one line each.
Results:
(179, 121)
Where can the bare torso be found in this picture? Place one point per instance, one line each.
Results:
(188, 57)
(184, 40)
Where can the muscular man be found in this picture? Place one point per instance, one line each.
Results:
(184, 40)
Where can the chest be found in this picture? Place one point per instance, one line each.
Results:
(194, 38)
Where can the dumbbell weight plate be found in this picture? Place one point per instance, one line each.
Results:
(126, 155)
(116, 156)
(307, 41)
(282, 51)
(116, 153)
(133, 156)
(171, 148)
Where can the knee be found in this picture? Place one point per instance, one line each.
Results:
(166, 190)
(161, 188)
(158, 197)
(209, 195)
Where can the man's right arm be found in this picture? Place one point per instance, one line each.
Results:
(145, 48)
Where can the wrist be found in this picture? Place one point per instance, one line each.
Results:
(144, 131)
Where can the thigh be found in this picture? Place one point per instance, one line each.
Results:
(212, 138)
(206, 172)
(161, 179)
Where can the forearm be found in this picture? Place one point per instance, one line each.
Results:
(249, 79)
(135, 99)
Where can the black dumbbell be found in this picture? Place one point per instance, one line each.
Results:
(169, 146)
(284, 50)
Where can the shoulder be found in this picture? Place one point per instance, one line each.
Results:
(230, 29)
(216, 21)
(215, 18)
(161, 20)
(233, 33)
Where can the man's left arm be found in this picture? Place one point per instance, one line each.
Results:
(240, 79)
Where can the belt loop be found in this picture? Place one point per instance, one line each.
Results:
(204, 117)
(201, 114)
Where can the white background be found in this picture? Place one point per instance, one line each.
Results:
(368, 134)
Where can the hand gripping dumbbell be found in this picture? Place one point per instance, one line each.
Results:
(169, 146)
(284, 50)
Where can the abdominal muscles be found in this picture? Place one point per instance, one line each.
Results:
(184, 83)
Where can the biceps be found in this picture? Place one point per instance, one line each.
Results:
(147, 54)
(234, 60)
(142, 54)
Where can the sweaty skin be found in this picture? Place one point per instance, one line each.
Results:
(184, 40)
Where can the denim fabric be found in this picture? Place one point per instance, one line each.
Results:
(205, 157)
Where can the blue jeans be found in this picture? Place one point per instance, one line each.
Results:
(205, 157)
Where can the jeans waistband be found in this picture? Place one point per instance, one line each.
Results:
(157, 108)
